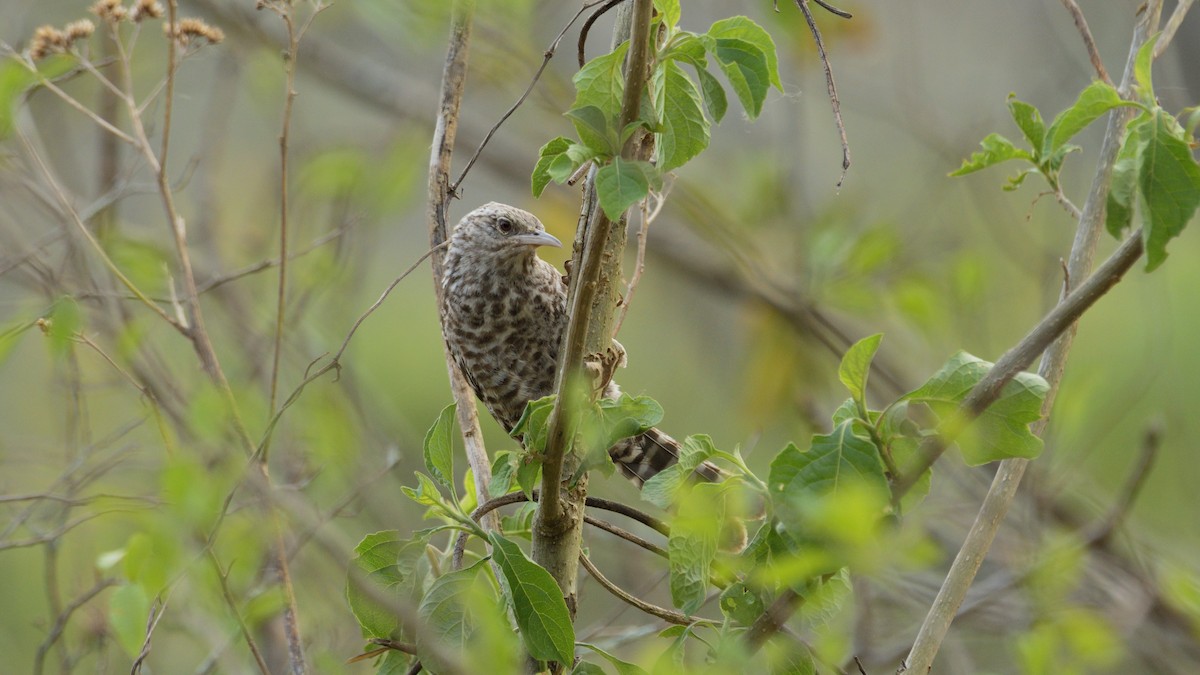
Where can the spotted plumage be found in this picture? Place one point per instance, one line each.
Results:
(504, 315)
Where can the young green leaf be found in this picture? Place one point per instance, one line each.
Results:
(856, 365)
(1001, 431)
(832, 459)
(742, 604)
(537, 603)
(1121, 193)
(1142, 67)
(623, 183)
(447, 611)
(15, 78)
(661, 489)
(743, 28)
(685, 131)
(529, 473)
(746, 67)
(504, 466)
(669, 9)
(1169, 182)
(996, 149)
(439, 448)
(692, 545)
(622, 667)
(128, 610)
(713, 93)
(601, 83)
(1097, 99)
(595, 129)
(1029, 120)
(532, 425)
(391, 563)
(548, 155)
(613, 420)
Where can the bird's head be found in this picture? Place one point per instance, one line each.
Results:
(499, 234)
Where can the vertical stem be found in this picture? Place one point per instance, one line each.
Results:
(1008, 476)
(289, 96)
(592, 298)
(454, 76)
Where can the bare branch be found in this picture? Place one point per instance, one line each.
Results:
(668, 615)
(829, 84)
(1088, 41)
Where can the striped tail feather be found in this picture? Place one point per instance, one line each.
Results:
(643, 456)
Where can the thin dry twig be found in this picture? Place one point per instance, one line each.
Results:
(1088, 42)
(1173, 23)
(829, 84)
(587, 27)
(546, 56)
(231, 603)
(668, 615)
(648, 216)
(1101, 532)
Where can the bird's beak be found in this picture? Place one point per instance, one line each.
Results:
(537, 239)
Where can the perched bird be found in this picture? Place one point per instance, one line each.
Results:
(504, 315)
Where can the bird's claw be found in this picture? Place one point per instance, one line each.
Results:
(601, 367)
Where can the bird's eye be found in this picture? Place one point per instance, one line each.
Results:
(505, 225)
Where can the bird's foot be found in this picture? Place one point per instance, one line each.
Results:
(601, 367)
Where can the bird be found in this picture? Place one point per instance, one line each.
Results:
(504, 312)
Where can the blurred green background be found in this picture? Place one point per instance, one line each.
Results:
(937, 264)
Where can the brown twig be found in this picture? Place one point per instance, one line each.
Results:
(1088, 41)
(546, 56)
(648, 216)
(1173, 23)
(231, 603)
(668, 615)
(587, 27)
(1100, 533)
(626, 535)
(829, 84)
(770, 621)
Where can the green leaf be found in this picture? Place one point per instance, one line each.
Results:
(595, 129)
(623, 183)
(392, 563)
(585, 668)
(692, 546)
(746, 67)
(685, 131)
(529, 472)
(1169, 183)
(622, 667)
(661, 488)
(856, 365)
(426, 493)
(1142, 67)
(742, 604)
(714, 94)
(612, 420)
(743, 28)
(996, 149)
(128, 613)
(447, 611)
(15, 79)
(1028, 119)
(669, 9)
(1097, 99)
(548, 155)
(1121, 199)
(600, 82)
(537, 603)
(531, 427)
(823, 468)
(504, 466)
(439, 448)
(1001, 431)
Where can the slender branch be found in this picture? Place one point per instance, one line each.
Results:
(218, 281)
(289, 97)
(668, 615)
(546, 56)
(60, 621)
(587, 27)
(438, 194)
(223, 579)
(1168, 34)
(770, 621)
(1008, 476)
(585, 284)
(1101, 532)
(829, 84)
(648, 216)
(626, 535)
(71, 101)
(1088, 41)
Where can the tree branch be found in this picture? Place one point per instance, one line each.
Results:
(668, 615)
(1008, 477)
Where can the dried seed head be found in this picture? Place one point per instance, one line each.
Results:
(144, 9)
(79, 30)
(47, 40)
(189, 29)
(109, 10)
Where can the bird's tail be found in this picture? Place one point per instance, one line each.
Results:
(645, 455)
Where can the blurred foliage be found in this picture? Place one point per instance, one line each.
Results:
(118, 459)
